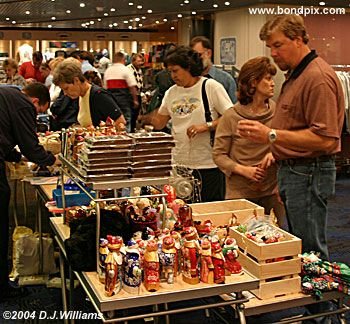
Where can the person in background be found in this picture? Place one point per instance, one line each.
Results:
(10, 67)
(46, 73)
(95, 103)
(54, 90)
(93, 78)
(249, 167)
(183, 104)
(18, 112)
(137, 61)
(203, 46)
(121, 82)
(31, 70)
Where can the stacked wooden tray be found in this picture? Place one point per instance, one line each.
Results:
(151, 154)
(105, 158)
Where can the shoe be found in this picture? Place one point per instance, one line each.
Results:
(13, 291)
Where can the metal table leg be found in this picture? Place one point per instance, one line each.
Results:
(240, 308)
(24, 196)
(15, 202)
(63, 285)
(39, 229)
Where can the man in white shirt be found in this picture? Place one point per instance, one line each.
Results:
(120, 81)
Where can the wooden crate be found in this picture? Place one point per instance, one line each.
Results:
(289, 246)
(220, 212)
(278, 287)
(277, 277)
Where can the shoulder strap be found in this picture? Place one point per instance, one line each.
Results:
(206, 103)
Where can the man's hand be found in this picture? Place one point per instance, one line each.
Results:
(193, 130)
(253, 130)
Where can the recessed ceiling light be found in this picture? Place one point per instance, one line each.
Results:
(149, 10)
(115, 24)
(165, 20)
(227, 3)
(82, 4)
(137, 19)
(131, 20)
(194, 13)
(215, 5)
(27, 12)
(92, 22)
(172, 27)
(13, 21)
(126, 21)
(112, 9)
(99, 19)
(179, 15)
(105, 14)
(131, 3)
(130, 27)
(53, 18)
(82, 25)
(139, 7)
(186, 1)
(322, 3)
(143, 17)
(140, 25)
(157, 21)
(87, 24)
(110, 26)
(53, 0)
(181, 4)
(49, 26)
(68, 11)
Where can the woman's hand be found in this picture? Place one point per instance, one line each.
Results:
(253, 173)
(267, 161)
(193, 130)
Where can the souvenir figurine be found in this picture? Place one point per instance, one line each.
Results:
(230, 252)
(132, 268)
(219, 263)
(113, 262)
(168, 259)
(151, 266)
(207, 266)
(178, 245)
(171, 193)
(103, 252)
(190, 253)
(185, 216)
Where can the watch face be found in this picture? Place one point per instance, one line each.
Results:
(272, 136)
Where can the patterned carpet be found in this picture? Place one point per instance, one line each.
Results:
(41, 298)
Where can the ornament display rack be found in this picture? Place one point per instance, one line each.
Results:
(68, 169)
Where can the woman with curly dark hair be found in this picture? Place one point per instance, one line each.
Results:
(184, 104)
(249, 167)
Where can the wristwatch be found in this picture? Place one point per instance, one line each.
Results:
(210, 125)
(272, 135)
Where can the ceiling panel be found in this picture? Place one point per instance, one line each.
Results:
(121, 14)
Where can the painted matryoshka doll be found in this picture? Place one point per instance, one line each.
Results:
(132, 268)
(113, 263)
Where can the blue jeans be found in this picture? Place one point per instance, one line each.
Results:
(305, 190)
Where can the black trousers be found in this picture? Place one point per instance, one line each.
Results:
(213, 184)
(5, 194)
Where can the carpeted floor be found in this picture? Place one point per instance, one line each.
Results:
(41, 298)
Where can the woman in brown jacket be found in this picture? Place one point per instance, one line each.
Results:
(249, 167)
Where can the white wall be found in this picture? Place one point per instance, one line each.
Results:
(245, 28)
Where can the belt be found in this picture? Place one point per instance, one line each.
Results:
(306, 161)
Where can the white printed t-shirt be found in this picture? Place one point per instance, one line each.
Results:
(185, 108)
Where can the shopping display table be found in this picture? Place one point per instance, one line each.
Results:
(180, 291)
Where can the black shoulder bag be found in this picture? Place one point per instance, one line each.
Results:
(207, 111)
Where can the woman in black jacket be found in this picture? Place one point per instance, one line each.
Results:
(95, 103)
